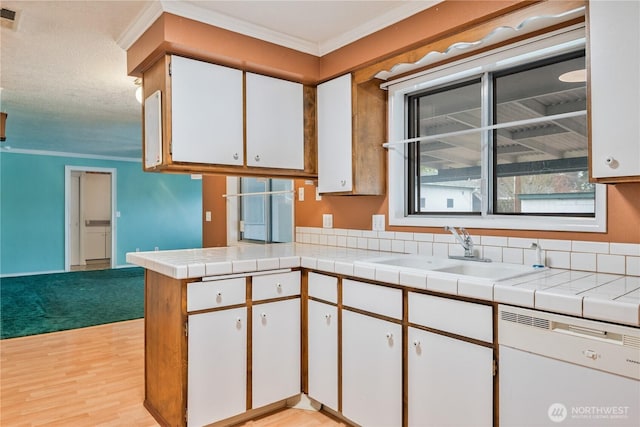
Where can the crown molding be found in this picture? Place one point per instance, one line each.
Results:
(9, 150)
(191, 10)
(140, 24)
(378, 23)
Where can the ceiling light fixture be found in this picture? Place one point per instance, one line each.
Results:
(138, 82)
(575, 76)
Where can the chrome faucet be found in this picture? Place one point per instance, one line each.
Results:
(466, 241)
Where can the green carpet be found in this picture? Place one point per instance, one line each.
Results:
(55, 302)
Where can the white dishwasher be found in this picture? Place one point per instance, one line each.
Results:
(557, 370)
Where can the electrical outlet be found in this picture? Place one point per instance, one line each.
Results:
(327, 221)
(377, 222)
(301, 194)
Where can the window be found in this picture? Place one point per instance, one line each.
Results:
(496, 141)
(268, 217)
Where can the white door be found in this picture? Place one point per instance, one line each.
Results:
(217, 369)
(74, 218)
(323, 353)
(334, 135)
(207, 122)
(275, 123)
(95, 208)
(371, 370)
(450, 381)
(276, 351)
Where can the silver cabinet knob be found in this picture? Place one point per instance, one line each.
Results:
(611, 162)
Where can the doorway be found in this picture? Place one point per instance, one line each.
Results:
(89, 218)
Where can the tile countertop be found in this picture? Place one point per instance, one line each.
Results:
(599, 296)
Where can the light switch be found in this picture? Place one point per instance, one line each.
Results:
(207, 216)
(327, 220)
(301, 194)
(377, 222)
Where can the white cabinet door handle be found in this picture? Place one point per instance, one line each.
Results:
(343, 182)
(327, 316)
(389, 336)
(235, 156)
(257, 158)
(238, 320)
(279, 287)
(219, 294)
(263, 315)
(416, 343)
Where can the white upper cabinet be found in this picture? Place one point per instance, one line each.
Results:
(275, 123)
(614, 52)
(335, 135)
(206, 108)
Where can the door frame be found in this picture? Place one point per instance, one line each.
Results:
(67, 205)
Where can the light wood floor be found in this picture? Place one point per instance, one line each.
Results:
(90, 377)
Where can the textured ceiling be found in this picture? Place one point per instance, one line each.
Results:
(63, 73)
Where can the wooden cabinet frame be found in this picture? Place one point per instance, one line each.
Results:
(157, 77)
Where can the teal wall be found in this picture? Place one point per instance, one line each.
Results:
(163, 210)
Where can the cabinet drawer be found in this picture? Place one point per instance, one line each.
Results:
(373, 298)
(276, 285)
(323, 287)
(216, 293)
(457, 317)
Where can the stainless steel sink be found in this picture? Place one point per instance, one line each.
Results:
(494, 271)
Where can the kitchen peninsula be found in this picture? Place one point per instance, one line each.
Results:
(232, 332)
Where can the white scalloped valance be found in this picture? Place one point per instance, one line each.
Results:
(497, 35)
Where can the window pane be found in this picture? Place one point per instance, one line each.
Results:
(447, 168)
(541, 168)
(282, 211)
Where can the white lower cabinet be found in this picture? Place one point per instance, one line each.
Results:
(371, 370)
(276, 351)
(322, 336)
(450, 381)
(217, 368)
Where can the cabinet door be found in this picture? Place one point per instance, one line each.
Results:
(371, 370)
(323, 353)
(217, 366)
(450, 381)
(335, 135)
(275, 123)
(276, 351)
(614, 44)
(206, 113)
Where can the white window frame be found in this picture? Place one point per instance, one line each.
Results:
(541, 47)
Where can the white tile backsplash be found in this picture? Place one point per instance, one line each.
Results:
(397, 245)
(593, 247)
(611, 264)
(512, 255)
(583, 261)
(603, 257)
(557, 259)
(624, 249)
(633, 266)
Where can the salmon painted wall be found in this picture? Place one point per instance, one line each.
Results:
(354, 212)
